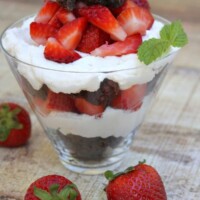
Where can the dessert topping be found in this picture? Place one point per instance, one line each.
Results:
(170, 35)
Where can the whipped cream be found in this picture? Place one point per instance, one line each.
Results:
(84, 74)
(115, 122)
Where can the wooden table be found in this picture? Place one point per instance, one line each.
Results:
(169, 138)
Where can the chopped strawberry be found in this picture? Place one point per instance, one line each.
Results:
(102, 17)
(41, 32)
(65, 16)
(88, 108)
(92, 38)
(135, 20)
(142, 3)
(130, 45)
(60, 101)
(70, 34)
(47, 12)
(54, 21)
(130, 99)
(126, 5)
(56, 52)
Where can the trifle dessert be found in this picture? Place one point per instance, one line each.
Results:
(89, 70)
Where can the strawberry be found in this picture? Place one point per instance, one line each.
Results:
(126, 5)
(55, 21)
(41, 32)
(47, 12)
(85, 107)
(15, 125)
(139, 182)
(52, 187)
(92, 38)
(142, 3)
(102, 17)
(131, 98)
(60, 102)
(65, 16)
(135, 20)
(129, 45)
(56, 52)
(70, 34)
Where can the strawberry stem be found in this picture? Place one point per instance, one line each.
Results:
(67, 193)
(8, 121)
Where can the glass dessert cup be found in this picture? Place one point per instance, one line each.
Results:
(93, 129)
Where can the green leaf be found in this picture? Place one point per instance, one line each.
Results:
(109, 175)
(175, 34)
(152, 49)
(68, 193)
(42, 194)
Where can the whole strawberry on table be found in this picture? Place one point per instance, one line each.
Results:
(140, 182)
(15, 125)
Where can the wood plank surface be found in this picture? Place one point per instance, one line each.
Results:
(169, 138)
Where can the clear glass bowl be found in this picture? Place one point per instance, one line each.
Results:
(90, 117)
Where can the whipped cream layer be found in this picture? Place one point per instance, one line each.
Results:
(84, 74)
(113, 122)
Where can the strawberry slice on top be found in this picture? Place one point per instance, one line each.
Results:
(129, 45)
(70, 34)
(56, 52)
(41, 32)
(102, 17)
(135, 20)
(47, 12)
(93, 37)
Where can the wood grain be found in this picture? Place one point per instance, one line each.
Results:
(169, 139)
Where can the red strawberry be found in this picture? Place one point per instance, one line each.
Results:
(15, 125)
(102, 17)
(129, 45)
(52, 187)
(135, 20)
(54, 21)
(130, 99)
(65, 16)
(126, 5)
(60, 101)
(136, 183)
(92, 38)
(47, 12)
(142, 3)
(41, 32)
(70, 34)
(88, 108)
(56, 52)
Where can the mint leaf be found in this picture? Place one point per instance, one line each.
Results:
(152, 49)
(175, 34)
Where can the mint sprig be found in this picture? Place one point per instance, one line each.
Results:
(170, 35)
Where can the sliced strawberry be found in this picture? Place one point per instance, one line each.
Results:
(102, 17)
(70, 34)
(130, 45)
(92, 38)
(47, 12)
(41, 32)
(65, 16)
(88, 108)
(142, 3)
(126, 5)
(56, 52)
(130, 99)
(60, 102)
(54, 21)
(135, 20)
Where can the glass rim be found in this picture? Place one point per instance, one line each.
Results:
(12, 25)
